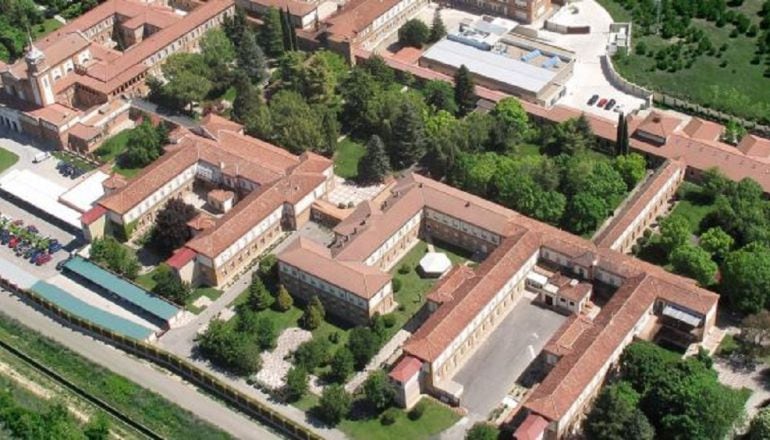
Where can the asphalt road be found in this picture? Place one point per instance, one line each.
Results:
(491, 372)
(171, 387)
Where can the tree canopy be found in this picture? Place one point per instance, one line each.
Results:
(170, 230)
(746, 278)
(615, 415)
(374, 166)
(414, 33)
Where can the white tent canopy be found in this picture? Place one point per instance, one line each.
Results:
(435, 264)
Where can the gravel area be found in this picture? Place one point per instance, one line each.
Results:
(274, 364)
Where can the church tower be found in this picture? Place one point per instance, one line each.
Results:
(37, 71)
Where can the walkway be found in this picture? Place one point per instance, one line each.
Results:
(754, 380)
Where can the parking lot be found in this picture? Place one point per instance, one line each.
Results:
(588, 78)
(491, 372)
(45, 229)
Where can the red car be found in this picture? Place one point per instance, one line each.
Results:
(13, 242)
(43, 258)
(602, 102)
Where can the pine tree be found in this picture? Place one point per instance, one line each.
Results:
(270, 34)
(251, 59)
(437, 28)
(259, 296)
(314, 314)
(626, 143)
(331, 128)
(293, 34)
(286, 37)
(283, 301)
(464, 91)
(408, 144)
(374, 166)
(247, 98)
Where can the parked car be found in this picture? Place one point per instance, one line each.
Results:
(54, 246)
(43, 258)
(602, 102)
(618, 108)
(610, 104)
(39, 157)
(593, 100)
(13, 242)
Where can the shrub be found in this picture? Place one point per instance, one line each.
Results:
(334, 337)
(389, 320)
(389, 416)
(418, 410)
(396, 283)
(404, 269)
(335, 404)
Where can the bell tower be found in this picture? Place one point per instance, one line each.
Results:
(37, 70)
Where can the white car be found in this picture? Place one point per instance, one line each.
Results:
(39, 157)
(618, 108)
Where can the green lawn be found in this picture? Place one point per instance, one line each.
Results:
(436, 418)
(229, 94)
(738, 87)
(693, 212)
(139, 403)
(349, 153)
(73, 160)
(7, 159)
(198, 292)
(113, 147)
(46, 27)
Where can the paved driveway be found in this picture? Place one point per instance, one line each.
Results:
(491, 372)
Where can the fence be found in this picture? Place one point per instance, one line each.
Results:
(624, 85)
(181, 367)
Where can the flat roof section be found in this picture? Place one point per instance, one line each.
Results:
(90, 313)
(124, 289)
(491, 65)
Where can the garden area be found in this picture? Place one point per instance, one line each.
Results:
(347, 157)
(131, 150)
(715, 55)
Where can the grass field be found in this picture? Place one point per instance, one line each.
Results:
(737, 88)
(7, 159)
(349, 153)
(436, 418)
(46, 27)
(128, 397)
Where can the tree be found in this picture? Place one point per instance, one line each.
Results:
(374, 166)
(716, 242)
(144, 145)
(714, 183)
(247, 99)
(632, 167)
(266, 333)
(234, 26)
(511, 124)
(251, 59)
(229, 349)
(760, 426)
(168, 285)
(572, 137)
(268, 266)
(218, 51)
(746, 278)
(116, 257)
(465, 95)
(482, 431)
(408, 144)
(271, 34)
(285, 30)
(331, 130)
(318, 81)
(283, 301)
(296, 384)
(621, 139)
(615, 411)
(314, 314)
(674, 232)
(296, 126)
(437, 28)
(170, 230)
(585, 212)
(334, 404)
(440, 95)
(378, 390)
(312, 354)
(363, 343)
(342, 364)
(694, 262)
(259, 296)
(187, 76)
(413, 33)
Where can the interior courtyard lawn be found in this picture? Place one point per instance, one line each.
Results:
(737, 87)
(7, 159)
(346, 158)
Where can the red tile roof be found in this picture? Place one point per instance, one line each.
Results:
(405, 369)
(93, 214)
(181, 257)
(532, 428)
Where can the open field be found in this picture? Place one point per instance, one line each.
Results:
(349, 153)
(7, 159)
(728, 81)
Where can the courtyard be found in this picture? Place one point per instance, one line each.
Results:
(492, 371)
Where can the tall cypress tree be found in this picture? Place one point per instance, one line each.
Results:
(464, 91)
(374, 166)
(437, 28)
(408, 144)
(285, 31)
(626, 142)
(270, 33)
(251, 59)
(292, 31)
(619, 135)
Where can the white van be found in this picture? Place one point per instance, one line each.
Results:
(39, 157)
